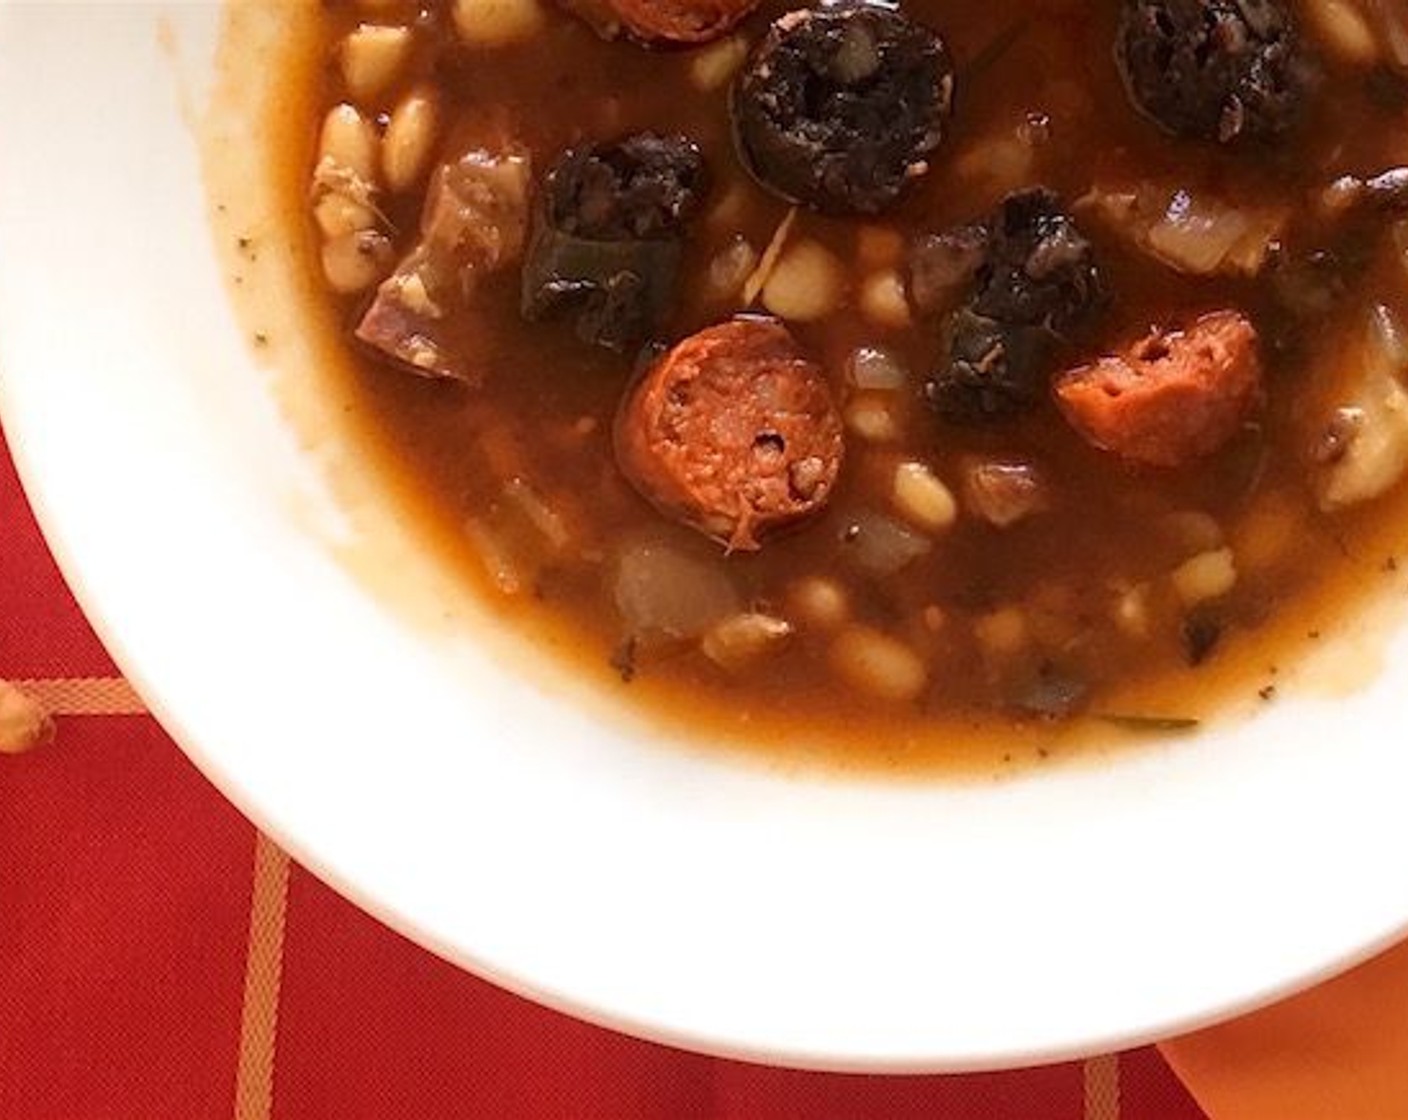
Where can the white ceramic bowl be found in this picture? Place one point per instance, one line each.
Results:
(495, 817)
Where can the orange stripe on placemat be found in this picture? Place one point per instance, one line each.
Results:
(85, 696)
(263, 971)
(1102, 1088)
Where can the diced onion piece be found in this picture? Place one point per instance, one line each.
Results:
(874, 367)
(498, 558)
(1371, 425)
(881, 546)
(663, 592)
(549, 522)
(1195, 237)
(1003, 493)
(730, 269)
(1196, 234)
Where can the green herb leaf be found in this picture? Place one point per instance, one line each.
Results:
(1161, 724)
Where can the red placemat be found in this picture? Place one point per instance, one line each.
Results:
(160, 959)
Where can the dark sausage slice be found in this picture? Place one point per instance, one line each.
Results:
(840, 108)
(663, 21)
(1171, 398)
(1213, 69)
(1034, 279)
(733, 432)
(608, 237)
(1040, 268)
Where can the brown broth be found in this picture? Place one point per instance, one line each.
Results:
(545, 412)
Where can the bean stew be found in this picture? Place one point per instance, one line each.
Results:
(889, 367)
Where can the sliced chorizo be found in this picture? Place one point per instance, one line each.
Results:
(663, 21)
(682, 21)
(1173, 397)
(733, 432)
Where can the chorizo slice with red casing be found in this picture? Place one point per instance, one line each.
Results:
(733, 432)
(1173, 397)
(663, 21)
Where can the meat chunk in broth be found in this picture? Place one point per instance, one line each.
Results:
(475, 219)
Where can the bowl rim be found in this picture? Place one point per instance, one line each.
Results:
(47, 447)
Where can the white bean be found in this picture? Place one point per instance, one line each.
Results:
(1132, 611)
(819, 602)
(739, 641)
(410, 139)
(879, 665)
(373, 57)
(338, 215)
(922, 499)
(808, 283)
(349, 140)
(1193, 530)
(354, 262)
(1344, 31)
(714, 67)
(498, 23)
(738, 197)
(1207, 576)
(885, 301)
(869, 416)
(1002, 633)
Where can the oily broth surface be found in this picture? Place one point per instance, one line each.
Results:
(546, 408)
